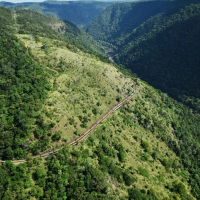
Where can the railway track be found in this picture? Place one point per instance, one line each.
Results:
(80, 137)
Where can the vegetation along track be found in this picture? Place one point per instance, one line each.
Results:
(80, 137)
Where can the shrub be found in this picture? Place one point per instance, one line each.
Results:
(56, 136)
(143, 172)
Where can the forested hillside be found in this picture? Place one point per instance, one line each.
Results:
(36, 24)
(167, 54)
(118, 20)
(163, 49)
(53, 90)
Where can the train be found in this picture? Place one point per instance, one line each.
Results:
(101, 120)
(87, 132)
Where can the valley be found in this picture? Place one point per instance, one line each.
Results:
(153, 45)
(73, 125)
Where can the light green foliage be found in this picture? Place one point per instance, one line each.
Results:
(146, 146)
(143, 172)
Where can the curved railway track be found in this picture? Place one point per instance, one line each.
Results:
(80, 137)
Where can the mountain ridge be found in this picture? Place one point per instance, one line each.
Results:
(79, 13)
(147, 149)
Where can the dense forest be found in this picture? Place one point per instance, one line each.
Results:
(162, 48)
(167, 54)
(118, 20)
(53, 89)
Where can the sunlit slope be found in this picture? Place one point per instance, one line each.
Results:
(147, 149)
(84, 88)
(145, 132)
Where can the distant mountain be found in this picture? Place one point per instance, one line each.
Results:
(77, 12)
(161, 44)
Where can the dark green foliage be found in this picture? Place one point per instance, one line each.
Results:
(79, 13)
(135, 194)
(56, 136)
(8, 153)
(87, 181)
(118, 20)
(99, 103)
(36, 24)
(94, 111)
(164, 51)
(78, 37)
(71, 121)
(145, 145)
(121, 152)
(14, 180)
(84, 125)
(179, 188)
(157, 40)
(118, 99)
(39, 173)
(128, 178)
(63, 177)
(167, 163)
(23, 88)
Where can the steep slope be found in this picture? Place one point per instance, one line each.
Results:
(164, 51)
(148, 143)
(147, 149)
(118, 20)
(162, 48)
(23, 88)
(23, 82)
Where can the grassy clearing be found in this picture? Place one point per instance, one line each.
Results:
(83, 88)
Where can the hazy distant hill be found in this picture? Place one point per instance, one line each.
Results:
(77, 12)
